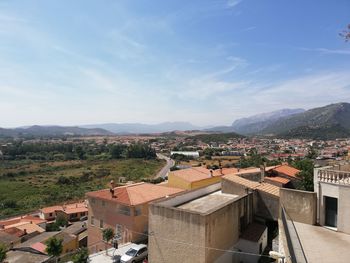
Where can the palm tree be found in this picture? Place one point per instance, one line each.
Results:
(54, 247)
(107, 235)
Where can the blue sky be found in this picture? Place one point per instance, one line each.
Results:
(206, 62)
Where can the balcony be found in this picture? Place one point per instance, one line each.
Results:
(334, 177)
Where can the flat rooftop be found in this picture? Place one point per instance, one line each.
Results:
(323, 245)
(208, 202)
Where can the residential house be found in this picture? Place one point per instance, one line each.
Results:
(72, 212)
(124, 209)
(196, 177)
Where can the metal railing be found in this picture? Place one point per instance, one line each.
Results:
(295, 247)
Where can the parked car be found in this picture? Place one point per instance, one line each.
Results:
(135, 254)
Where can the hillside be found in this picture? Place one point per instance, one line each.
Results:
(331, 121)
(140, 128)
(256, 123)
(51, 131)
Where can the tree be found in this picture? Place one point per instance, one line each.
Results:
(81, 256)
(306, 174)
(3, 251)
(54, 247)
(107, 235)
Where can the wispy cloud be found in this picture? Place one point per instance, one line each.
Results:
(233, 3)
(328, 51)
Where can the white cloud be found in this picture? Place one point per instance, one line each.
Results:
(233, 3)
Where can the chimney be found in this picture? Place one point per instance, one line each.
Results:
(25, 231)
(262, 173)
(111, 190)
(211, 173)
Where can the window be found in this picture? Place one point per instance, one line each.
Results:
(103, 203)
(118, 230)
(82, 214)
(124, 210)
(101, 223)
(50, 214)
(92, 221)
(138, 211)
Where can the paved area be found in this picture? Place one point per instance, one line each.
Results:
(208, 202)
(165, 170)
(322, 245)
(101, 257)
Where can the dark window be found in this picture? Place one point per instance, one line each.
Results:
(331, 209)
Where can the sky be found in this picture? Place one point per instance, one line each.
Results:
(150, 61)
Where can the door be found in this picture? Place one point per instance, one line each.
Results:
(331, 211)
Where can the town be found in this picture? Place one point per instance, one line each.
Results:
(215, 198)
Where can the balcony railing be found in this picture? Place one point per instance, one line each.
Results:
(334, 177)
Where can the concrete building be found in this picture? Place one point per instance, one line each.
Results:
(196, 177)
(124, 209)
(202, 225)
(314, 226)
(186, 153)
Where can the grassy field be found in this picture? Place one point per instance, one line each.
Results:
(28, 185)
(225, 160)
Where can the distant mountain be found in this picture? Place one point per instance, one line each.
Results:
(37, 130)
(328, 122)
(137, 128)
(256, 123)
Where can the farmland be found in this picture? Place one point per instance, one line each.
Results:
(26, 185)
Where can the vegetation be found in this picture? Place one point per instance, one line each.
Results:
(107, 235)
(306, 168)
(61, 221)
(26, 185)
(255, 160)
(81, 256)
(3, 251)
(54, 247)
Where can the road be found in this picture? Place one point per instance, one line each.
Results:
(165, 170)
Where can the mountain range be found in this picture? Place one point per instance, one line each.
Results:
(328, 122)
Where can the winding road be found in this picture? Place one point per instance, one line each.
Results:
(165, 170)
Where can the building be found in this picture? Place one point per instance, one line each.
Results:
(201, 225)
(72, 212)
(196, 177)
(314, 226)
(186, 153)
(124, 209)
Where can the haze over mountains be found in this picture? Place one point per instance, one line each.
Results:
(328, 122)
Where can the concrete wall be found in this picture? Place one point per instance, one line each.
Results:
(230, 187)
(182, 236)
(266, 205)
(299, 205)
(177, 182)
(170, 232)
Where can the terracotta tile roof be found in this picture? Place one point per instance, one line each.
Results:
(242, 181)
(75, 208)
(21, 220)
(39, 247)
(30, 228)
(50, 209)
(278, 179)
(286, 170)
(195, 174)
(14, 231)
(264, 187)
(248, 171)
(135, 194)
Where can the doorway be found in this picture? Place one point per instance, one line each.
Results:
(331, 208)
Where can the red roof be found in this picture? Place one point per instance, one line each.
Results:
(286, 170)
(39, 247)
(278, 179)
(135, 194)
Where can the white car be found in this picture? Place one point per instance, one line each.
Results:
(135, 254)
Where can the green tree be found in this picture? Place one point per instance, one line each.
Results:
(81, 256)
(306, 174)
(107, 235)
(61, 220)
(3, 251)
(54, 247)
